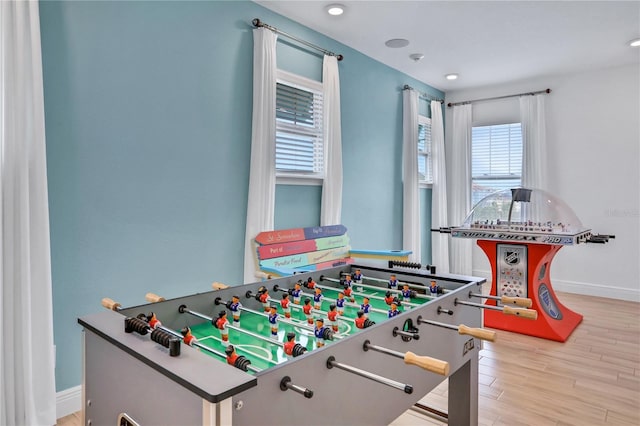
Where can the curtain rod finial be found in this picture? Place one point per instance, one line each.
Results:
(339, 57)
(256, 22)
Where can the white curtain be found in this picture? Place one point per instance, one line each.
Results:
(439, 242)
(27, 381)
(331, 207)
(460, 260)
(534, 141)
(262, 179)
(410, 179)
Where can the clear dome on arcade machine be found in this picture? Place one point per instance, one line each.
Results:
(523, 210)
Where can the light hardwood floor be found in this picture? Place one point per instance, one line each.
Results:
(592, 379)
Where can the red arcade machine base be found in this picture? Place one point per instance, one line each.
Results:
(523, 270)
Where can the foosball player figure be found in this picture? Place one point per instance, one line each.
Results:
(236, 360)
(340, 303)
(388, 298)
(362, 321)
(284, 303)
(393, 282)
(308, 310)
(366, 306)
(332, 317)
(435, 289)
(322, 333)
(407, 294)
(296, 293)
(348, 292)
(222, 324)
(317, 299)
(153, 321)
(347, 280)
(310, 283)
(357, 278)
(394, 309)
(264, 299)
(189, 339)
(292, 348)
(273, 320)
(235, 306)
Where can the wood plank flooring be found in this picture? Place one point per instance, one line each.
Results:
(592, 379)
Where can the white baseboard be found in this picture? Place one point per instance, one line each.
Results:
(68, 401)
(587, 289)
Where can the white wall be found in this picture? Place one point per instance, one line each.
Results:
(593, 135)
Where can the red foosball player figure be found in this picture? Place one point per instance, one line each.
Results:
(236, 360)
(284, 303)
(189, 339)
(366, 306)
(435, 289)
(317, 299)
(332, 317)
(310, 283)
(393, 282)
(340, 303)
(273, 320)
(153, 321)
(235, 306)
(296, 293)
(308, 310)
(264, 299)
(292, 348)
(362, 321)
(388, 298)
(394, 309)
(223, 325)
(349, 293)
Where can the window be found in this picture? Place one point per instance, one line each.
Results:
(496, 159)
(425, 169)
(299, 138)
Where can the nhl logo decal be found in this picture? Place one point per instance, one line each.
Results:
(512, 257)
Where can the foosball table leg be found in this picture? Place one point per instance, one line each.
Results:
(463, 394)
(217, 414)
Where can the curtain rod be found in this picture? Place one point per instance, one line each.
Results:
(450, 104)
(422, 94)
(258, 23)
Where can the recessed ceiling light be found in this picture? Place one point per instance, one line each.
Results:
(335, 9)
(635, 42)
(451, 76)
(396, 43)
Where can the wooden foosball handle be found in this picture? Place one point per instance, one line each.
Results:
(522, 302)
(430, 364)
(219, 286)
(524, 313)
(478, 333)
(153, 298)
(110, 304)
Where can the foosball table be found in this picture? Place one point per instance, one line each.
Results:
(347, 345)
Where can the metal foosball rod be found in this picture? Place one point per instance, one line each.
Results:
(332, 363)
(299, 307)
(506, 310)
(521, 302)
(381, 280)
(414, 295)
(425, 362)
(479, 333)
(352, 305)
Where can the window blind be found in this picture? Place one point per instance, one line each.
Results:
(425, 169)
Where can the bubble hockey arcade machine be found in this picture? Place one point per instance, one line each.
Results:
(521, 230)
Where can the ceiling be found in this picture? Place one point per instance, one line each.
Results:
(485, 42)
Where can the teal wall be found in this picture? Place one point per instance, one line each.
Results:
(148, 125)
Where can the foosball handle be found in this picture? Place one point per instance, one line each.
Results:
(522, 302)
(520, 312)
(153, 298)
(478, 333)
(110, 304)
(219, 286)
(430, 364)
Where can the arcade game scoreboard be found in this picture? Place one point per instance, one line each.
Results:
(254, 355)
(520, 231)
